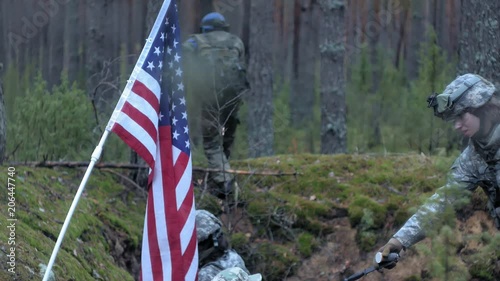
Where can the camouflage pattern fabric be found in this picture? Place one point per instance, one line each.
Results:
(474, 97)
(206, 224)
(219, 90)
(236, 274)
(218, 129)
(228, 260)
(469, 171)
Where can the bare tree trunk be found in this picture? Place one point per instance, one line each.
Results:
(302, 93)
(260, 76)
(3, 36)
(71, 41)
(154, 7)
(479, 48)
(95, 47)
(372, 31)
(246, 27)
(279, 42)
(137, 27)
(189, 17)
(415, 38)
(206, 6)
(453, 26)
(55, 46)
(3, 122)
(332, 50)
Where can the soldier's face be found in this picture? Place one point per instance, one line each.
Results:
(467, 124)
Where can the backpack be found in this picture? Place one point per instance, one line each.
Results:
(219, 62)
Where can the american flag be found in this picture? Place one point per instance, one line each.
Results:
(151, 118)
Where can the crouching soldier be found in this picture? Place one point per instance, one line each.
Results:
(214, 254)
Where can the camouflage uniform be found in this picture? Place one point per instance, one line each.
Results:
(236, 274)
(228, 260)
(206, 225)
(477, 165)
(220, 95)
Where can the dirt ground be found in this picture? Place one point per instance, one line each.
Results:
(339, 258)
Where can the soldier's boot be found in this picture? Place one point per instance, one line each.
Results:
(228, 191)
(216, 188)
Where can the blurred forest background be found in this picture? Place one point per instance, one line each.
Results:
(327, 76)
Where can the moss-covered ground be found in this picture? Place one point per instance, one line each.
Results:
(42, 200)
(282, 223)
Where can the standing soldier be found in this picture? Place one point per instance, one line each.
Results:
(216, 76)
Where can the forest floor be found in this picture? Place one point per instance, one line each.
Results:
(300, 217)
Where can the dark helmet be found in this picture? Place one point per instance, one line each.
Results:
(466, 92)
(213, 21)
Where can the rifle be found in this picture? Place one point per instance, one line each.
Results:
(388, 262)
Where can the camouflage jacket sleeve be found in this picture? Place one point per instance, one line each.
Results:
(190, 45)
(241, 49)
(462, 177)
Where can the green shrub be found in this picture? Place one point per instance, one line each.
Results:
(55, 125)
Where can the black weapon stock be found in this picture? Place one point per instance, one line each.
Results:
(388, 262)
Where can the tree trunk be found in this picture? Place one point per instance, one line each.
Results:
(479, 47)
(137, 27)
(260, 76)
(189, 17)
(332, 50)
(55, 46)
(416, 37)
(154, 7)
(3, 123)
(71, 41)
(207, 6)
(3, 35)
(95, 48)
(302, 92)
(246, 28)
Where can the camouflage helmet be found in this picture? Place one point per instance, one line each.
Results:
(206, 224)
(236, 274)
(465, 92)
(213, 21)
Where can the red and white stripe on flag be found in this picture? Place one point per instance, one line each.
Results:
(151, 118)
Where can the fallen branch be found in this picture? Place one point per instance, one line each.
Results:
(73, 164)
(131, 182)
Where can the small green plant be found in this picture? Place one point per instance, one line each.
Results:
(437, 218)
(56, 125)
(306, 244)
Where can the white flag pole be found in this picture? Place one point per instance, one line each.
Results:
(98, 150)
(94, 158)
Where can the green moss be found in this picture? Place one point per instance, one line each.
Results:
(290, 215)
(366, 240)
(239, 240)
(275, 259)
(357, 211)
(306, 244)
(44, 197)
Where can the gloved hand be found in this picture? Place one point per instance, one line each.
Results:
(393, 246)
